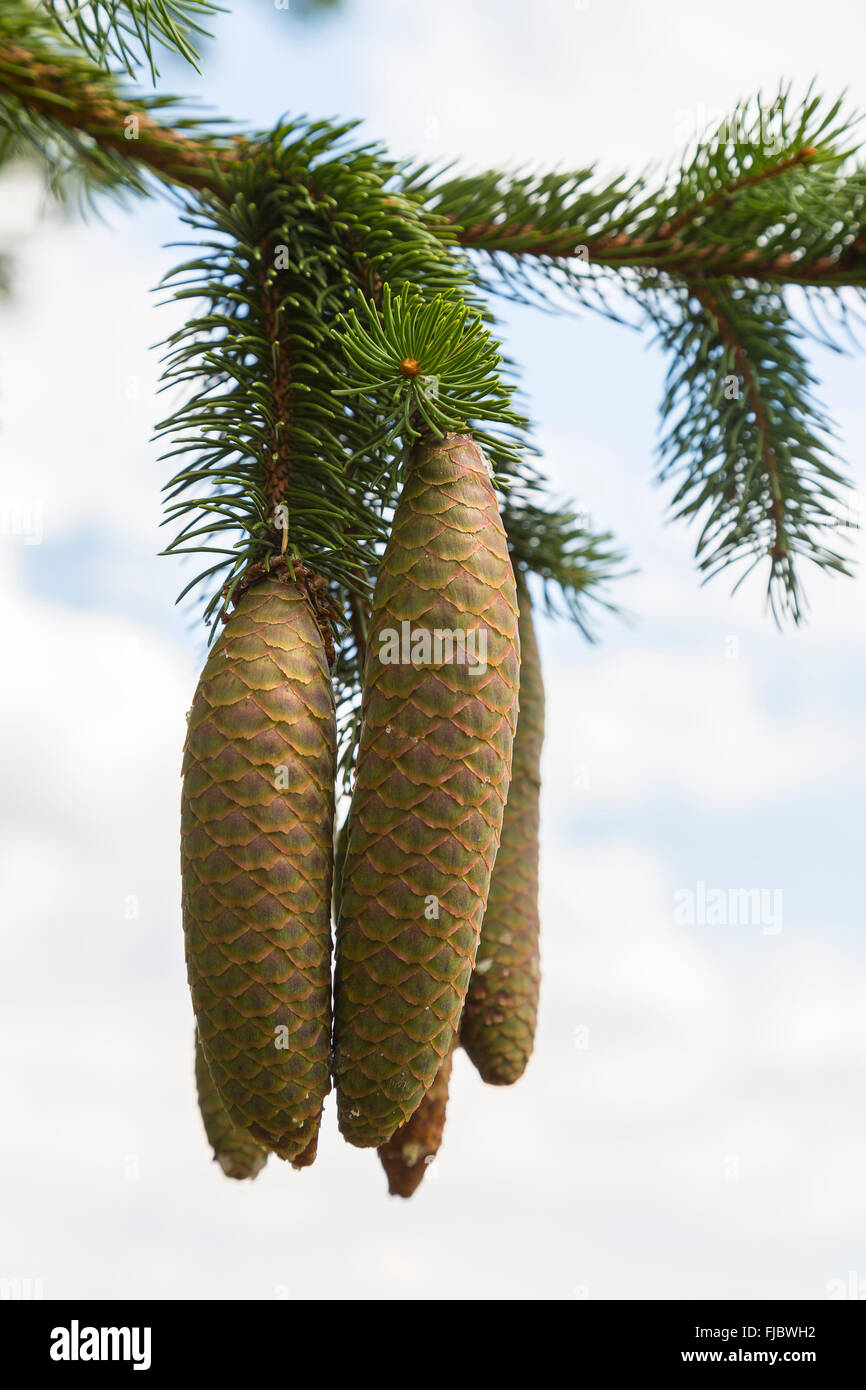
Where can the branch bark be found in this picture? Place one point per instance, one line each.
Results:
(675, 256)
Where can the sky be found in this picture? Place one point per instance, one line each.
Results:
(692, 1122)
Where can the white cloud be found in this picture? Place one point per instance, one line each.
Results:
(80, 378)
(641, 725)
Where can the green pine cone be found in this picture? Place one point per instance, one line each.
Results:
(431, 782)
(497, 1029)
(257, 843)
(407, 1155)
(234, 1149)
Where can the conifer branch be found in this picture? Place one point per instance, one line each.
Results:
(545, 219)
(745, 437)
(130, 31)
(768, 195)
(706, 255)
(671, 253)
(59, 104)
(769, 464)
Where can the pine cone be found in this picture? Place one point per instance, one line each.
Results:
(498, 1024)
(411, 1149)
(257, 831)
(432, 778)
(234, 1149)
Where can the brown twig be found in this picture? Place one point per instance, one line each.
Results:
(277, 451)
(678, 258)
(667, 249)
(88, 108)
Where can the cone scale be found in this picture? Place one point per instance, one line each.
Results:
(257, 837)
(432, 778)
(497, 1029)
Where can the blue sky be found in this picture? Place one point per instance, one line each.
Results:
(710, 1139)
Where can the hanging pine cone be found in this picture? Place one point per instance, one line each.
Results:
(234, 1149)
(498, 1024)
(412, 1147)
(432, 778)
(257, 836)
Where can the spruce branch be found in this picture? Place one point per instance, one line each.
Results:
(79, 119)
(770, 199)
(784, 210)
(745, 438)
(129, 32)
(767, 195)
